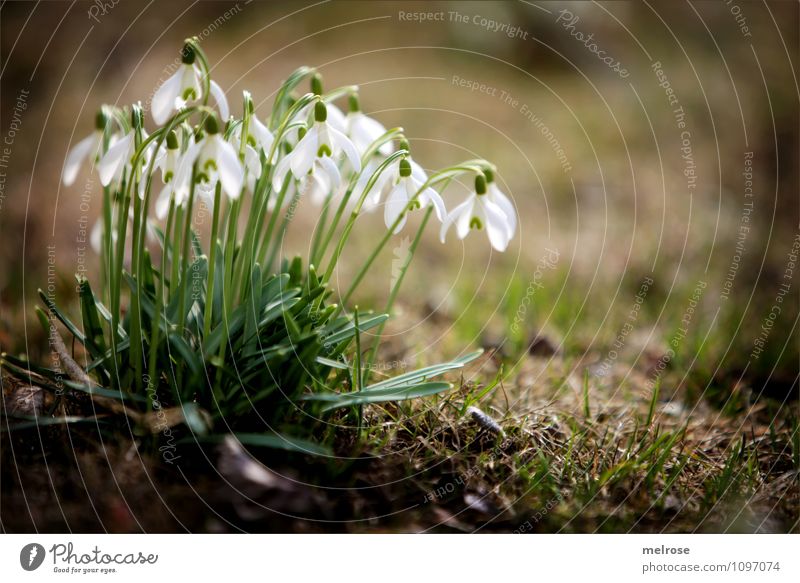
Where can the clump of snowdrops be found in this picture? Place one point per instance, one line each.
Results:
(228, 332)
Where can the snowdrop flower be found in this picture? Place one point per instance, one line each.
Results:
(495, 195)
(404, 192)
(120, 154)
(115, 160)
(335, 117)
(364, 130)
(258, 135)
(184, 86)
(479, 212)
(316, 152)
(217, 160)
(389, 178)
(88, 147)
(169, 163)
(259, 139)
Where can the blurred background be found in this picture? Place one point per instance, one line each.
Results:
(638, 141)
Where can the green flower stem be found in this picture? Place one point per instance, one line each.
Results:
(152, 369)
(135, 307)
(374, 147)
(106, 257)
(385, 239)
(175, 255)
(287, 218)
(122, 227)
(265, 242)
(315, 242)
(280, 97)
(395, 290)
(207, 315)
(228, 251)
(357, 370)
(184, 265)
(353, 215)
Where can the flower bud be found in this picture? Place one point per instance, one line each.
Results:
(316, 84)
(353, 103)
(320, 111)
(172, 140)
(136, 117)
(211, 125)
(480, 184)
(100, 119)
(188, 54)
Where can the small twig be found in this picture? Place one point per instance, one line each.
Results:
(77, 374)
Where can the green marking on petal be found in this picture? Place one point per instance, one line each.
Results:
(475, 223)
(324, 150)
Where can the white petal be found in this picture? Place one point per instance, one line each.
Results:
(336, 118)
(417, 172)
(231, 173)
(464, 207)
(77, 155)
(316, 187)
(280, 173)
(162, 203)
(374, 196)
(261, 133)
(505, 205)
(302, 157)
(465, 218)
(364, 130)
(430, 196)
(163, 101)
(183, 177)
(342, 142)
(396, 203)
(113, 160)
(496, 225)
(96, 236)
(222, 102)
(191, 80)
(252, 162)
(329, 166)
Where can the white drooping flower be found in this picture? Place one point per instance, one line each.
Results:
(387, 180)
(259, 139)
(217, 160)
(481, 213)
(318, 152)
(118, 157)
(88, 148)
(496, 196)
(363, 130)
(169, 163)
(183, 86)
(404, 192)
